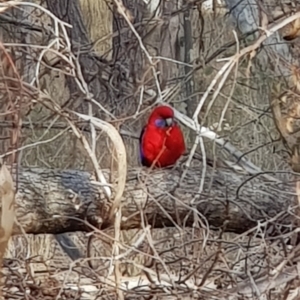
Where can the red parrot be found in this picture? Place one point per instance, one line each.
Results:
(161, 140)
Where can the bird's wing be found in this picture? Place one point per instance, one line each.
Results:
(151, 143)
(141, 141)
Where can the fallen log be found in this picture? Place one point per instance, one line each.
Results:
(57, 201)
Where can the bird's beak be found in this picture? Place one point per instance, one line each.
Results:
(169, 121)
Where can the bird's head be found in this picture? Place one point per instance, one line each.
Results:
(162, 117)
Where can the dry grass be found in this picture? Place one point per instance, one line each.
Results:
(188, 256)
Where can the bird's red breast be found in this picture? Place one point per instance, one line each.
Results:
(161, 142)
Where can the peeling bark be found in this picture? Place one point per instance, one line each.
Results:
(56, 201)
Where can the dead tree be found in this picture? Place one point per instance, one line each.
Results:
(56, 201)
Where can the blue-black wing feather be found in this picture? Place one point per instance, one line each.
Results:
(142, 157)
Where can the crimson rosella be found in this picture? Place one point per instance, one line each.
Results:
(161, 140)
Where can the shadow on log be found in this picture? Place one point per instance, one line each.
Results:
(56, 201)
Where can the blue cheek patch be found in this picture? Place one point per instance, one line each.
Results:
(161, 123)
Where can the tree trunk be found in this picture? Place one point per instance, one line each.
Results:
(92, 65)
(247, 17)
(56, 201)
(279, 61)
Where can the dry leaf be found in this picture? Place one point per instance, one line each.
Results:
(291, 31)
(7, 195)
